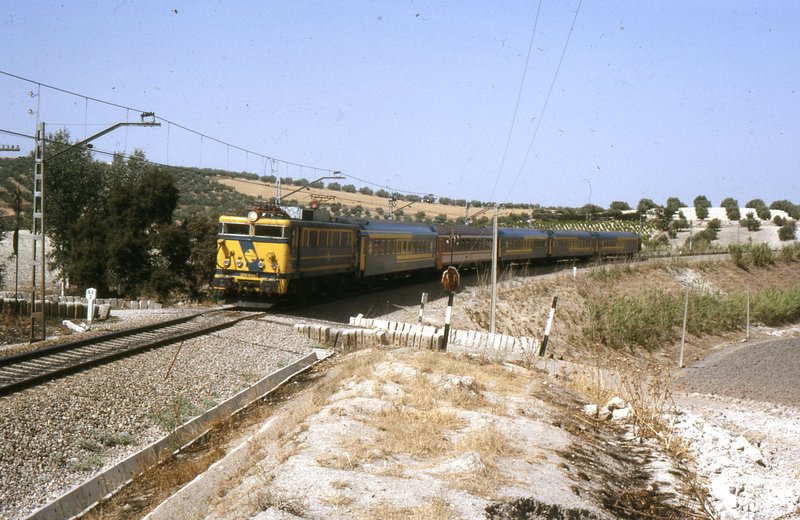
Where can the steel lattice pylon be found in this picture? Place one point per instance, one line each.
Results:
(37, 233)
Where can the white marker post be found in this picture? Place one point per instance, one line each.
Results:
(422, 307)
(91, 293)
(543, 347)
(450, 282)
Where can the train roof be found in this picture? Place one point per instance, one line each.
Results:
(572, 233)
(521, 233)
(463, 231)
(616, 234)
(389, 226)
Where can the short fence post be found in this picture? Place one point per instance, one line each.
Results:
(543, 348)
(422, 307)
(448, 314)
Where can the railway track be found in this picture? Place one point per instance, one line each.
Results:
(37, 366)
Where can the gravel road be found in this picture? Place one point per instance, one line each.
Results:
(766, 371)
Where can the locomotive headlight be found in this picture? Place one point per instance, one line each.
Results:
(239, 263)
(274, 266)
(227, 262)
(252, 216)
(260, 265)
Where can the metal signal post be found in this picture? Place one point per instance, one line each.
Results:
(37, 233)
(37, 229)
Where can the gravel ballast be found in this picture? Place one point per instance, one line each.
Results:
(55, 436)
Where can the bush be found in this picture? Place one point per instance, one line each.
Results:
(788, 231)
(707, 235)
(788, 253)
(714, 313)
(750, 222)
(777, 307)
(646, 320)
(760, 255)
(737, 254)
(778, 220)
(365, 191)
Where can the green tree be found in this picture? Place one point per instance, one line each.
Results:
(349, 188)
(73, 182)
(365, 191)
(750, 222)
(127, 241)
(645, 205)
(701, 205)
(334, 186)
(731, 206)
(784, 205)
(672, 206)
(619, 205)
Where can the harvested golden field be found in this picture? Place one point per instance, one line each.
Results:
(368, 202)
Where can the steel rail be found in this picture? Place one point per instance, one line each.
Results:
(37, 366)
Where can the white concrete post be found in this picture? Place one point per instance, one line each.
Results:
(91, 293)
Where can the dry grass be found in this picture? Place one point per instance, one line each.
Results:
(338, 500)
(340, 484)
(436, 509)
(417, 432)
(353, 453)
(489, 442)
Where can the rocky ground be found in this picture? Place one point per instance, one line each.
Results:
(57, 435)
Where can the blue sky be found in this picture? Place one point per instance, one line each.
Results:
(652, 99)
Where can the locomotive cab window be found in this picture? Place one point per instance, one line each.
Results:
(229, 228)
(271, 231)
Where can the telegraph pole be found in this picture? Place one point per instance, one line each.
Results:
(493, 303)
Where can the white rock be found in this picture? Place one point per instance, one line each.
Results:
(621, 414)
(614, 403)
(590, 409)
(721, 490)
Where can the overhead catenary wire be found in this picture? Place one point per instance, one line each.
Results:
(516, 106)
(162, 119)
(203, 137)
(546, 102)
